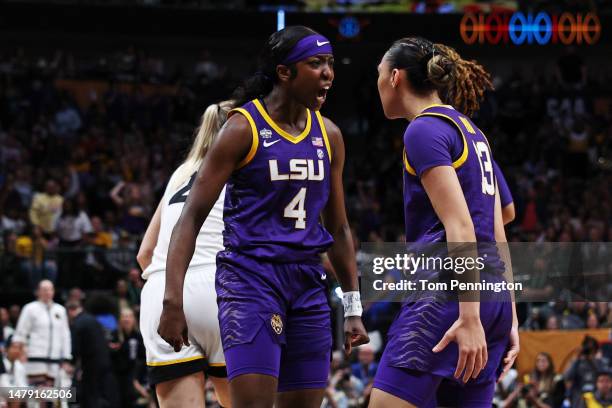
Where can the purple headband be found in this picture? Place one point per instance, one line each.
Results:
(307, 47)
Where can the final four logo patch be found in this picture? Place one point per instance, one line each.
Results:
(265, 133)
(277, 324)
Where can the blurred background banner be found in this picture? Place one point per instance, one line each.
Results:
(564, 346)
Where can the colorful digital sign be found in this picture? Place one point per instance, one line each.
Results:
(527, 28)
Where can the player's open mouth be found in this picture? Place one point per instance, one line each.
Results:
(322, 94)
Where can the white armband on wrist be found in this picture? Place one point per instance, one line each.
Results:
(352, 303)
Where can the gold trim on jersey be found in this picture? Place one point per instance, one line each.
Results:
(407, 165)
(457, 163)
(177, 361)
(437, 105)
(467, 125)
(289, 137)
(324, 132)
(254, 143)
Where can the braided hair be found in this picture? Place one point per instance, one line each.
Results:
(438, 67)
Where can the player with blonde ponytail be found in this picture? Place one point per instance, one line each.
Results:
(179, 376)
(212, 119)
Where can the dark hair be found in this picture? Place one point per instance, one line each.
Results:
(273, 53)
(99, 304)
(590, 345)
(600, 373)
(72, 211)
(73, 305)
(430, 67)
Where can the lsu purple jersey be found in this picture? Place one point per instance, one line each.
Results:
(471, 157)
(274, 200)
(442, 136)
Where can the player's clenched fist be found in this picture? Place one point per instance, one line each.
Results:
(173, 326)
(355, 333)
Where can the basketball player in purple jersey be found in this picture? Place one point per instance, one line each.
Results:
(282, 162)
(450, 195)
(505, 197)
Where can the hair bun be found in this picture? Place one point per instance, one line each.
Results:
(440, 70)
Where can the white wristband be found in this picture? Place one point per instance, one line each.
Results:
(352, 303)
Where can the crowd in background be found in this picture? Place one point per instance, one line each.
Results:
(78, 185)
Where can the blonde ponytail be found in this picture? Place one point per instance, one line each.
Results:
(212, 120)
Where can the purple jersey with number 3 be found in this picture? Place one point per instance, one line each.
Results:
(441, 136)
(274, 200)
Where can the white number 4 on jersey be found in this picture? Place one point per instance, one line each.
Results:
(295, 209)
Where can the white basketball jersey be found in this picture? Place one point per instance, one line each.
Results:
(210, 238)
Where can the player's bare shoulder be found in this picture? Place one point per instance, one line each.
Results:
(235, 137)
(238, 126)
(335, 140)
(333, 131)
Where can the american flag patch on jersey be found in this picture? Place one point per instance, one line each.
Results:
(317, 141)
